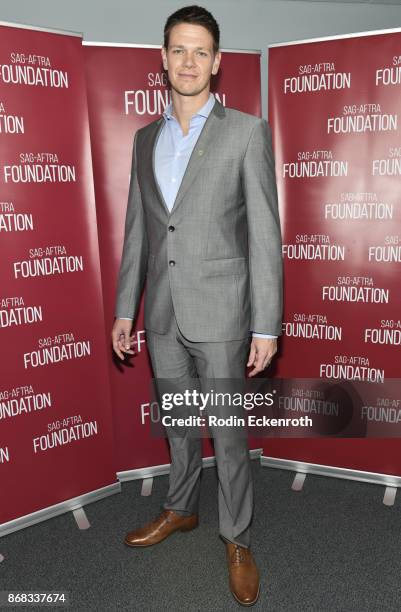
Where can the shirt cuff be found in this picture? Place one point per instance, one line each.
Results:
(126, 318)
(256, 335)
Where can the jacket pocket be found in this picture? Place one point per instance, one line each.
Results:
(224, 267)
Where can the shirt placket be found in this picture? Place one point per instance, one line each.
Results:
(177, 137)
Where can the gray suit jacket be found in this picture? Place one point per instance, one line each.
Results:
(216, 258)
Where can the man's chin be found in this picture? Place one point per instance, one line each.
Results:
(188, 92)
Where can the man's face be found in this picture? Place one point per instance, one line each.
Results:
(190, 59)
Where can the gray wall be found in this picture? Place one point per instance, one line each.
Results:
(244, 24)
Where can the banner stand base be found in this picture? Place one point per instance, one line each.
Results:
(146, 473)
(81, 518)
(147, 485)
(298, 481)
(69, 505)
(391, 482)
(389, 496)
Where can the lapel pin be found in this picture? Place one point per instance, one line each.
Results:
(200, 152)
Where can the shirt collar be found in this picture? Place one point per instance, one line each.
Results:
(202, 112)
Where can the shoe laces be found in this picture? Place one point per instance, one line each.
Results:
(238, 555)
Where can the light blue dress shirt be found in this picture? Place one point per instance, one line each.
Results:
(173, 150)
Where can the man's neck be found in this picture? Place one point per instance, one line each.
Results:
(184, 107)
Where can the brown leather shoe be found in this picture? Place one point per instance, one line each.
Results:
(159, 529)
(244, 575)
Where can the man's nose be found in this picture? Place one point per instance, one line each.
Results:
(188, 60)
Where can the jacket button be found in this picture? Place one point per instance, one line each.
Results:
(171, 262)
(171, 228)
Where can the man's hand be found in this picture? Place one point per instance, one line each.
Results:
(261, 353)
(121, 338)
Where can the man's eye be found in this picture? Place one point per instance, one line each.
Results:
(202, 53)
(177, 51)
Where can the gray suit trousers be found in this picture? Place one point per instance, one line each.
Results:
(175, 357)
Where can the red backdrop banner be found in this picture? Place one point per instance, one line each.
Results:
(334, 107)
(127, 89)
(55, 416)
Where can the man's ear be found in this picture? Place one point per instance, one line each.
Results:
(216, 62)
(164, 58)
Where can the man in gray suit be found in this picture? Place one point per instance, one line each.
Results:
(202, 227)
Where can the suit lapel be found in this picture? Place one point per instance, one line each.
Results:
(200, 151)
(149, 156)
(208, 134)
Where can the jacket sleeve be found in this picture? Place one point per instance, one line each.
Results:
(135, 250)
(264, 233)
